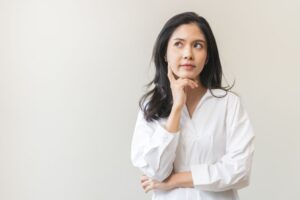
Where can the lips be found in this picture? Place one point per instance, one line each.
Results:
(188, 66)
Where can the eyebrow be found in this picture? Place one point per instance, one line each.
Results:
(197, 40)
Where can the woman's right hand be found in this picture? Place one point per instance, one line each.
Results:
(178, 87)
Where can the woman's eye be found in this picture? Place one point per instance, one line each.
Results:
(198, 45)
(178, 44)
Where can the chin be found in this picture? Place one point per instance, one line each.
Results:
(188, 75)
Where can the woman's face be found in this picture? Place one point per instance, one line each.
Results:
(187, 51)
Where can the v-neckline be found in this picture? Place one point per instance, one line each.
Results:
(197, 105)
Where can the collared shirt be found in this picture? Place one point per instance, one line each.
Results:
(216, 145)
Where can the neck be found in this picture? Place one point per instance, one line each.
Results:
(200, 89)
(196, 92)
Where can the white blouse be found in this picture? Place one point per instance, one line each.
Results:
(215, 145)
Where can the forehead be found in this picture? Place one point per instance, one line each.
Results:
(188, 32)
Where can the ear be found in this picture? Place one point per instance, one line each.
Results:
(165, 58)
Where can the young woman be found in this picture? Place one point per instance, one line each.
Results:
(192, 138)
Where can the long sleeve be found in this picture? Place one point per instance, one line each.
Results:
(153, 148)
(232, 171)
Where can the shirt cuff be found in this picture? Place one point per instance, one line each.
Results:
(163, 135)
(162, 143)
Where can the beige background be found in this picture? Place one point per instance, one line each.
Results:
(71, 74)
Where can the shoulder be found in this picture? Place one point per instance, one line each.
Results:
(229, 100)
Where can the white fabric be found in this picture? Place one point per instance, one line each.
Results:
(216, 145)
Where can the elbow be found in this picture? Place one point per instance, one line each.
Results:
(160, 174)
(223, 186)
(237, 181)
(155, 167)
(242, 183)
(240, 178)
(224, 182)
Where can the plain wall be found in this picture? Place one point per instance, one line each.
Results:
(72, 72)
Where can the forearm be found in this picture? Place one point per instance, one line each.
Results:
(181, 180)
(173, 121)
(175, 180)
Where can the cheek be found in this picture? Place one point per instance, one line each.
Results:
(172, 54)
(174, 61)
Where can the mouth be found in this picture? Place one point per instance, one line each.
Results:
(188, 66)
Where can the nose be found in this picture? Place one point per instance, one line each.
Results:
(187, 53)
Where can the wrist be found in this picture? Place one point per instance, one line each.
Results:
(172, 124)
(182, 180)
(176, 108)
(173, 181)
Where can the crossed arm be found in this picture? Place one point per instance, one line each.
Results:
(153, 152)
(175, 180)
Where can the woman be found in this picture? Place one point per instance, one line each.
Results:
(192, 138)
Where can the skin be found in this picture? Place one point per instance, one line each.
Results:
(186, 45)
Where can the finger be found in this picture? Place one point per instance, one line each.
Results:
(191, 85)
(196, 82)
(187, 82)
(146, 183)
(148, 188)
(193, 82)
(144, 178)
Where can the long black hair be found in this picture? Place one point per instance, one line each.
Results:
(160, 97)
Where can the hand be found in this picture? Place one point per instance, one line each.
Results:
(178, 87)
(150, 184)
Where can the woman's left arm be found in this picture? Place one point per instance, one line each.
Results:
(233, 170)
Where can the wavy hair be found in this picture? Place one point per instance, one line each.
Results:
(157, 102)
